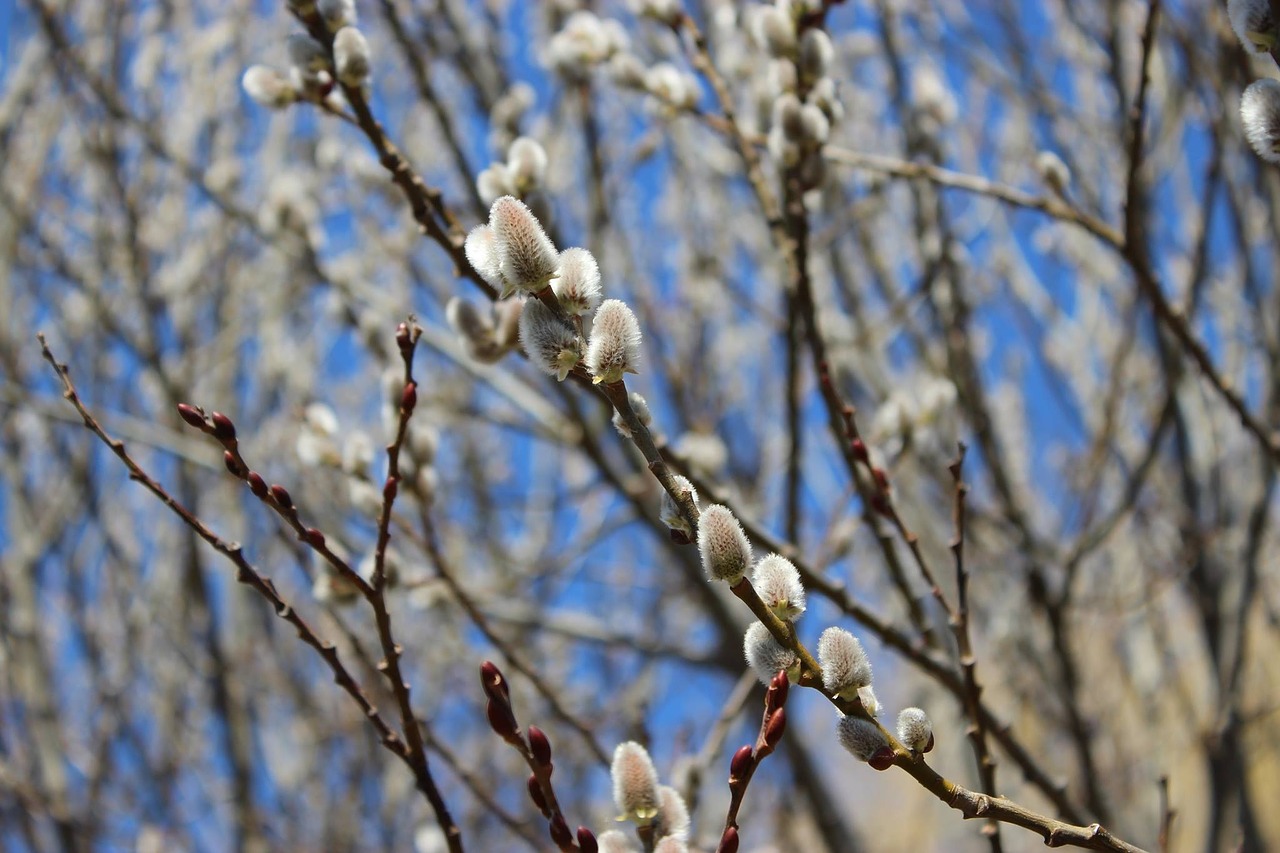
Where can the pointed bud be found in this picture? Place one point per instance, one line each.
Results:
(862, 738)
(223, 429)
(351, 57)
(615, 342)
(845, 666)
(726, 553)
(577, 284)
(314, 537)
(767, 656)
(552, 346)
(776, 696)
(778, 583)
(233, 464)
(1253, 23)
(882, 759)
(191, 416)
(635, 783)
(503, 721)
(256, 484)
(859, 448)
(539, 746)
(281, 496)
(669, 513)
(535, 794)
(561, 835)
(268, 87)
(774, 729)
(587, 841)
(527, 258)
(1260, 112)
(493, 682)
(743, 760)
(914, 729)
(728, 841)
(409, 400)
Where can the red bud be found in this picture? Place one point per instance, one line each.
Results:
(539, 745)
(859, 449)
(256, 484)
(223, 428)
(535, 794)
(741, 765)
(502, 720)
(928, 747)
(390, 488)
(882, 759)
(882, 479)
(191, 415)
(233, 465)
(315, 537)
(587, 841)
(403, 338)
(774, 728)
(728, 841)
(560, 832)
(410, 397)
(281, 496)
(495, 685)
(776, 696)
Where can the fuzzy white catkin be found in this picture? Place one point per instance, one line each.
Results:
(870, 704)
(351, 56)
(526, 164)
(666, 83)
(635, 783)
(641, 407)
(860, 737)
(1260, 113)
(268, 87)
(1253, 23)
(777, 582)
(551, 345)
(766, 656)
(482, 253)
(494, 182)
(615, 841)
(670, 514)
(337, 13)
(306, 54)
(816, 53)
(914, 728)
(614, 348)
(466, 320)
(1053, 171)
(577, 283)
(671, 844)
(725, 551)
(786, 115)
(775, 31)
(667, 11)
(526, 256)
(673, 815)
(845, 667)
(815, 125)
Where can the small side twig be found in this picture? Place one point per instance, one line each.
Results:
(747, 759)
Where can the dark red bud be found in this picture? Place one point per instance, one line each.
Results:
(928, 747)
(257, 485)
(539, 745)
(679, 537)
(390, 488)
(728, 841)
(774, 728)
(740, 766)
(882, 479)
(502, 720)
(535, 794)
(560, 832)
(882, 759)
(191, 415)
(859, 449)
(587, 841)
(776, 697)
(495, 685)
(410, 397)
(233, 465)
(315, 537)
(880, 505)
(281, 496)
(223, 428)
